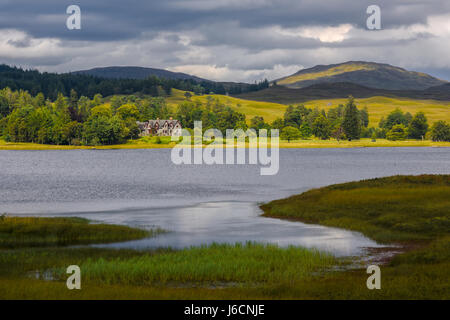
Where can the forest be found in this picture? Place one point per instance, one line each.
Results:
(78, 121)
(51, 84)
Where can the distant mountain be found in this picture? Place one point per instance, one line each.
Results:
(368, 74)
(136, 73)
(281, 94)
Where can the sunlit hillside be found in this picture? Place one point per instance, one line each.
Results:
(381, 106)
(325, 73)
(268, 110)
(378, 106)
(369, 74)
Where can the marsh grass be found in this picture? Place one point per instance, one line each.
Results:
(400, 208)
(217, 263)
(413, 210)
(38, 231)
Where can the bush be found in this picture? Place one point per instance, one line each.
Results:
(290, 133)
(398, 132)
(440, 131)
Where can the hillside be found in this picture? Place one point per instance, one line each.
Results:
(378, 106)
(136, 73)
(140, 73)
(270, 111)
(368, 74)
(281, 94)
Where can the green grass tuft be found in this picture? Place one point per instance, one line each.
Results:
(37, 232)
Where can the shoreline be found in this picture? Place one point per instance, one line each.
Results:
(300, 144)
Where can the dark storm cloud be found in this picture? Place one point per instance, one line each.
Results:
(223, 39)
(106, 20)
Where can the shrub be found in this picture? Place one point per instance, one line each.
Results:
(440, 131)
(398, 132)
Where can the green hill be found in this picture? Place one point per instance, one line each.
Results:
(136, 73)
(369, 74)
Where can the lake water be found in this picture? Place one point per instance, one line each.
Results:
(199, 204)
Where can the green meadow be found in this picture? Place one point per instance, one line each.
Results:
(378, 107)
(268, 110)
(411, 212)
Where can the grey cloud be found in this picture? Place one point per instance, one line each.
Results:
(237, 34)
(106, 20)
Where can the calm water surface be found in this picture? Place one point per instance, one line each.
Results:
(198, 204)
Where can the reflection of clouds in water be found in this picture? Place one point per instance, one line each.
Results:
(231, 222)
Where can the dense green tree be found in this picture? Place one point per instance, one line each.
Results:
(312, 116)
(418, 126)
(4, 107)
(258, 123)
(73, 105)
(295, 116)
(364, 116)
(128, 111)
(351, 122)
(440, 131)
(305, 131)
(321, 128)
(338, 133)
(395, 117)
(278, 123)
(17, 128)
(104, 130)
(290, 133)
(61, 103)
(398, 132)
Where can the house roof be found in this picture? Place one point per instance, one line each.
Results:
(152, 123)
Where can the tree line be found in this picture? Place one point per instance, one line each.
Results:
(74, 120)
(77, 120)
(347, 122)
(400, 126)
(299, 122)
(52, 84)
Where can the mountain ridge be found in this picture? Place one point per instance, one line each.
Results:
(135, 72)
(368, 74)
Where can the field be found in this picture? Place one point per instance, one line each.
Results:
(270, 111)
(406, 210)
(378, 106)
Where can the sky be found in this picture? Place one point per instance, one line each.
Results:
(225, 40)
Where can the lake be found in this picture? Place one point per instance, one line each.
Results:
(198, 204)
